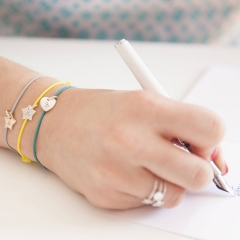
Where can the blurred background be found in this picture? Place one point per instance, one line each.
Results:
(188, 21)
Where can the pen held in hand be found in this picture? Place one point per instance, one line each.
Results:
(150, 83)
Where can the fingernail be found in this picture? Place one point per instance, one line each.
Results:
(226, 171)
(217, 151)
(214, 154)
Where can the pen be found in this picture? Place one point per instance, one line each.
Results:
(150, 83)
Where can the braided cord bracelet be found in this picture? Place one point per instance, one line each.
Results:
(24, 158)
(9, 120)
(45, 104)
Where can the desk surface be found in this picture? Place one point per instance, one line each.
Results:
(34, 203)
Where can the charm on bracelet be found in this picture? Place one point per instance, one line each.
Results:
(47, 103)
(9, 120)
(28, 112)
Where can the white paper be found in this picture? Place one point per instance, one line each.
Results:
(209, 214)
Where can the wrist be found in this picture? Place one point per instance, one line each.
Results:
(62, 124)
(24, 141)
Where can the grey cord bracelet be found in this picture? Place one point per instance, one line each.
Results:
(9, 120)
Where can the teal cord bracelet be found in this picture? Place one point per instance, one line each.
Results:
(45, 103)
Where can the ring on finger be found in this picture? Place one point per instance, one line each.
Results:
(156, 197)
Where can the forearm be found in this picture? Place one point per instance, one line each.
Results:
(13, 79)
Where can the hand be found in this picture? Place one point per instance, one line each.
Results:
(110, 146)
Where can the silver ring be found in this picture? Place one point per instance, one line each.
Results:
(156, 198)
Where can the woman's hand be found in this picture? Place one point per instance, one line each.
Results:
(110, 146)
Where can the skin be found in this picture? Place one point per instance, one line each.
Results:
(110, 146)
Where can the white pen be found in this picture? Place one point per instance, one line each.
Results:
(150, 83)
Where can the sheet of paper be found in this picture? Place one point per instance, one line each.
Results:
(209, 214)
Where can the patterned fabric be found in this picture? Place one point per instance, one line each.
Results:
(151, 20)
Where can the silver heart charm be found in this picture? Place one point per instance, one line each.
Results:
(47, 103)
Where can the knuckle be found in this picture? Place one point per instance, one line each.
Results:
(151, 107)
(142, 96)
(202, 176)
(176, 198)
(147, 100)
(216, 128)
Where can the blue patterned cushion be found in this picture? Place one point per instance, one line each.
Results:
(148, 20)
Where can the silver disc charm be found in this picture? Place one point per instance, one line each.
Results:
(158, 196)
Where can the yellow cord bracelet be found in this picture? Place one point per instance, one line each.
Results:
(24, 158)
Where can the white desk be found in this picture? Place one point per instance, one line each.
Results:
(34, 203)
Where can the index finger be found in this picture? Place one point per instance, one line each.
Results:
(198, 126)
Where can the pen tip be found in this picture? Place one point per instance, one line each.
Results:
(224, 187)
(232, 192)
(229, 190)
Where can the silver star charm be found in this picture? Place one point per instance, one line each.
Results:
(28, 112)
(9, 120)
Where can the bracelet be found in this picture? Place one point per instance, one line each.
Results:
(31, 113)
(9, 120)
(46, 104)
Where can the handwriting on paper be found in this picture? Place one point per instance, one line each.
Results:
(237, 190)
